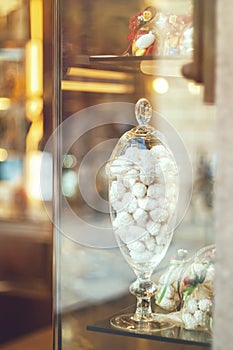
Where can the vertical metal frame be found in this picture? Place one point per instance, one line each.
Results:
(56, 112)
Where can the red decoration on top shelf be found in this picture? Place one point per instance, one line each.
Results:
(154, 33)
(142, 40)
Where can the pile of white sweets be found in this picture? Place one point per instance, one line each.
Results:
(143, 194)
(196, 313)
(197, 308)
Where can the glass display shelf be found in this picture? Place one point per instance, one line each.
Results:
(150, 65)
(176, 335)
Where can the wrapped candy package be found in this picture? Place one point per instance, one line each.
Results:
(186, 289)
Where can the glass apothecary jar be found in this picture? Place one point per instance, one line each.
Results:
(143, 193)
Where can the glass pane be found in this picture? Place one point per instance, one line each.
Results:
(106, 67)
(25, 229)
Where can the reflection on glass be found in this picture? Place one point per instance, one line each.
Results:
(89, 31)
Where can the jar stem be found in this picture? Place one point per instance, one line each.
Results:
(143, 289)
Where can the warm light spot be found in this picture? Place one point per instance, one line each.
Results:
(4, 103)
(98, 74)
(34, 107)
(193, 88)
(34, 63)
(3, 154)
(36, 19)
(97, 87)
(33, 170)
(160, 85)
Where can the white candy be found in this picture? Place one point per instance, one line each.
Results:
(189, 321)
(147, 179)
(143, 257)
(145, 40)
(130, 178)
(147, 162)
(200, 318)
(153, 228)
(171, 180)
(150, 243)
(164, 236)
(191, 305)
(120, 165)
(170, 206)
(171, 192)
(137, 246)
(146, 203)
(139, 200)
(132, 153)
(132, 205)
(139, 190)
(164, 215)
(155, 214)
(126, 200)
(168, 166)
(205, 305)
(156, 191)
(122, 219)
(130, 233)
(118, 206)
(159, 151)
(116, 191)
(161, 239)
(143, 203)
(159, 215)
(140, 216)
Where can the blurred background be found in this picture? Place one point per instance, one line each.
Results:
(90, 31)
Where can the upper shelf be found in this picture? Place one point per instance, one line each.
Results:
(151, 65)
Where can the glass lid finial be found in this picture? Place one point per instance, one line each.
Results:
(143, 111)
